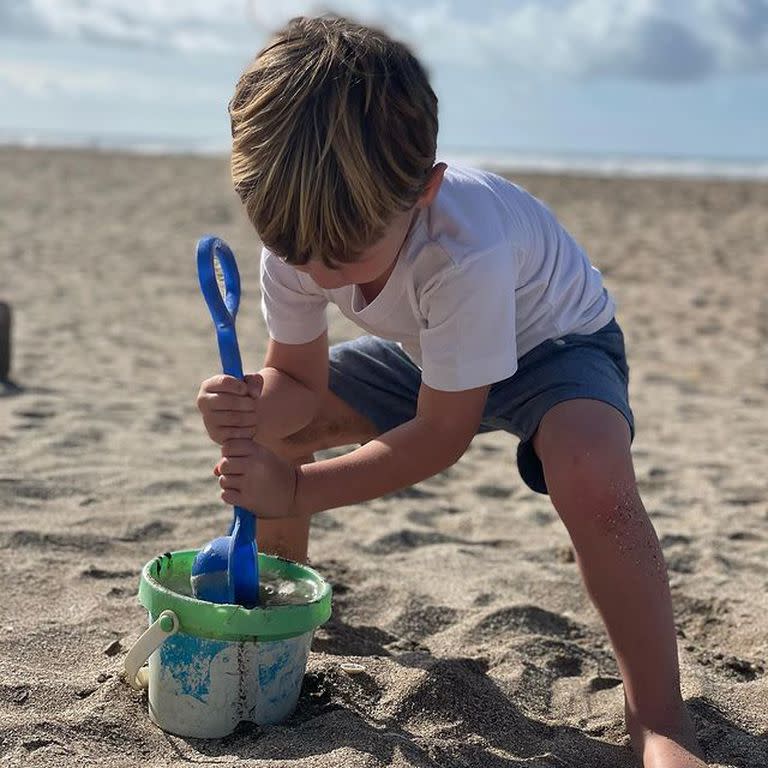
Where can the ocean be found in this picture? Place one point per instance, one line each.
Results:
(608, 164)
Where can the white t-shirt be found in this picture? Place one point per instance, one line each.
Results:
(486, 274)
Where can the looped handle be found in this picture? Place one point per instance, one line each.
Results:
(242, 555)
(223, 310)
(166, 624)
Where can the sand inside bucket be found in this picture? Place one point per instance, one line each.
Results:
(274, 589)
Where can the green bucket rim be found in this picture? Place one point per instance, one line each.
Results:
(234, 622)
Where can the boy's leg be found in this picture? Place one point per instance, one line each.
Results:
(584, 447)
(336, 424)
(373, 388)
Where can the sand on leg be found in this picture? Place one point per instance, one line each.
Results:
(335, 424)
(584, 446)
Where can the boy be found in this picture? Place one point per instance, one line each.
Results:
(483, 313)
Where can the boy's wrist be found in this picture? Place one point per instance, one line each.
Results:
(302, 503)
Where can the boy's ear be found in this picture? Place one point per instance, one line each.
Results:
(433, 186)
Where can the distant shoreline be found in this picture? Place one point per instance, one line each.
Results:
(608, 165)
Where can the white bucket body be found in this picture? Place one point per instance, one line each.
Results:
(203, 688)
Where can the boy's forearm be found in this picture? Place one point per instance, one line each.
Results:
(285, 406)
(401, 457)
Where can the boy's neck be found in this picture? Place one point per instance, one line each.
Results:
(373, 288)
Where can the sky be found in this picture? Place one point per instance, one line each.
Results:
(666, 78)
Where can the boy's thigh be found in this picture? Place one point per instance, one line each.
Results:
(572, 367)
(371, 390)
(379, 386)
(335, 424)
(376, 380)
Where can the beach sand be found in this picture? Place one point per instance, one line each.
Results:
(460, 596)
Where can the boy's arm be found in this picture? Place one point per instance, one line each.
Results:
(295, 379)
(433, 440)
(278, 401)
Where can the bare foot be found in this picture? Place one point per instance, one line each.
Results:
(663, 752)
(676, 747)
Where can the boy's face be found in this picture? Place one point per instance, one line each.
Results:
(376, 262)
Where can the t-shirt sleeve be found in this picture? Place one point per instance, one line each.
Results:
(294, 314)
(469, 335)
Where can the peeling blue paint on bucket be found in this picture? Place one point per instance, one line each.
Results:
(212, 665)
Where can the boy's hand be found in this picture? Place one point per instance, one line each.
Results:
(230, 406)
(254, 478)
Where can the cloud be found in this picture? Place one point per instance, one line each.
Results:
(193, 25)
(643, 39)
(204, 26)
(40, 80)
(43, 79)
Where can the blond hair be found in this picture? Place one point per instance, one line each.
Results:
(334, 131)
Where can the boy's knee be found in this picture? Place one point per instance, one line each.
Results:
(584, 448)
(595, 502)
(594, 485)
(589, 472)
(589, 468)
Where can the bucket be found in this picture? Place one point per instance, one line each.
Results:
(212, 665)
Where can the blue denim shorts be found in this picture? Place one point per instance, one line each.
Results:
(379, 380)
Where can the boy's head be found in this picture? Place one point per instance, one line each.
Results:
(334, 133)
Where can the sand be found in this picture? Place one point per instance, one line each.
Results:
(459, 596)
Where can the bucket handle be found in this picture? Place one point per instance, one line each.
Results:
(137, 675)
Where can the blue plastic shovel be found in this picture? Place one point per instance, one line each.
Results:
(226, 570)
